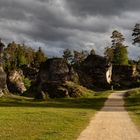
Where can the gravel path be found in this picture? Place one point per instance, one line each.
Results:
(111, 123)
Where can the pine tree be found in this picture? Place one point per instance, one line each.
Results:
(120, 54)
(117, 38)
(39, 57)
(117, 54)
(109, 53)
(92, 52)
(136, 34)
(67, 55)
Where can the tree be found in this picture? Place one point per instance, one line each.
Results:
(136, 34)
(16, 55)
(10, 56)
(109, 53)
(39, 57)
(79, 56)
(117, 54)
(92, 52)
(30, 55)
(117, 38)
(67, 55)
(20, 54)
(120, 55)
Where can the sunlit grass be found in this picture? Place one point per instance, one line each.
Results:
(133, 105)
(58, 119)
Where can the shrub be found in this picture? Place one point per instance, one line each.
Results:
(27, 82)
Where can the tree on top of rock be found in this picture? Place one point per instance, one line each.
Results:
(120, 54)
(92, 52)
(39, 57)
(79, 56)
(117, 54)
(67, 55)
(117, 38)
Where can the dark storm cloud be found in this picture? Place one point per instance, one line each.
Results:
(102, 7)
(74, 24)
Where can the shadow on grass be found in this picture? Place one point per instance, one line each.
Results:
(81, 103)
(133, 104)
(87, 103)
(133, 101)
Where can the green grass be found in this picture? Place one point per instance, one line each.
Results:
(132, 103)
(56, 119)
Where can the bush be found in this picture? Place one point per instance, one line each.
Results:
(27, 82)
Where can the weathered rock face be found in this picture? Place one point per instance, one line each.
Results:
(15, 81)
(3, 84)
(52, 75)
(3, 76)
(56, 70)
(68, 89)
(30, 73)
(95, 70)
(124, 75)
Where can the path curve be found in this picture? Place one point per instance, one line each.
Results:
(112, 122)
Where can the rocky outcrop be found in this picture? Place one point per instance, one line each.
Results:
(52, 75)
(124, 76)
(3, 84)
(3, 76)
(95, 71)
(67, 89)
(15, 82)
(30, 72)
(57, 70)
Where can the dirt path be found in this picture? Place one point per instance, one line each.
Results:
(111, 123)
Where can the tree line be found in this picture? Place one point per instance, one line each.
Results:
(16, 55)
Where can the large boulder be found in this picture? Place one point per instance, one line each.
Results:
(57, 70)
(52, 75)
(67, 89)
(125, 76)
(15, 81)
(3, 76)
(95, 70)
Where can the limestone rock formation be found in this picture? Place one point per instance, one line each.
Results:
(95, 70)
(124, 76)
(52, 75)
(3, 84)
(15, 81)
(3, 76)
(57, 70)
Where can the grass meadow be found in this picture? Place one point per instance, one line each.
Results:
(132, 103)
(55, 119)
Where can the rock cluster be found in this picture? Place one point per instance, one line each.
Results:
(52, 75)
(124, 76)
(15, 82)
(56, 72)
(95, 70)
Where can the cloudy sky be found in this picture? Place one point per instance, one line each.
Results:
(75, 24)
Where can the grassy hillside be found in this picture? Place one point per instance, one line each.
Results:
(132, 101)
(56, 119)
